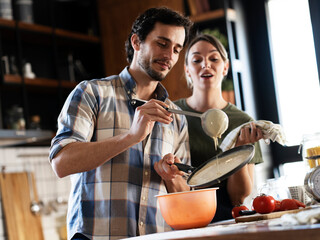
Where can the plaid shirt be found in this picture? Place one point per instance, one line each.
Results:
(117, 199)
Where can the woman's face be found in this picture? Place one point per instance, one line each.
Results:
(205, 66)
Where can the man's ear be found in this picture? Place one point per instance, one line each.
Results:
(135, 42)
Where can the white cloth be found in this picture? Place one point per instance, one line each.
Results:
(270, 131)
(301, 218)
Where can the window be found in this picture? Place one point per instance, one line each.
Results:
(294, 67)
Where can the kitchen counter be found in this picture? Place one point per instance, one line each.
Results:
(228, 230)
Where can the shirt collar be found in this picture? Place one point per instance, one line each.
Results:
(131, 87)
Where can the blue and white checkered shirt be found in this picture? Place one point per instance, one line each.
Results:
(117, 199)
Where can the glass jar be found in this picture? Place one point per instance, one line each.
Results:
(310, 146)
(277, 188)
(15, 119)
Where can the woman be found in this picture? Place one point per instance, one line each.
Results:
(206, 65)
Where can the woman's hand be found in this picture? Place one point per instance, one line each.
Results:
(249, 134)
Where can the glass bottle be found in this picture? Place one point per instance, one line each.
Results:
(310, 146)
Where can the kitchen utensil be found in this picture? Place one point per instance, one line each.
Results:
(35, 206)
(311, 155)
(247, 212)
(20, 223)
(312, 183)
(190, 209)
(214, 122)
(219, 167)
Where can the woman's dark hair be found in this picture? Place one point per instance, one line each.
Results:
(144, 24)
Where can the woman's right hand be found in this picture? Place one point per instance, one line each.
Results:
(249, 135)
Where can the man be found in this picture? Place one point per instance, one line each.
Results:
(120, 155)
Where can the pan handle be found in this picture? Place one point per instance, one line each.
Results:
(185, 168)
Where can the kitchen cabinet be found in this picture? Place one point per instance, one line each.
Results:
(43, 60)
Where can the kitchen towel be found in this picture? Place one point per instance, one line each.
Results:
(301, 218)
(270, 131)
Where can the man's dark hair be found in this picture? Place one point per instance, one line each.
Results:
(144, 24)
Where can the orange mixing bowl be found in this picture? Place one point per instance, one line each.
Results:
(191, 209)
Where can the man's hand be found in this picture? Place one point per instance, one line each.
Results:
(166, 169)
(146, 115)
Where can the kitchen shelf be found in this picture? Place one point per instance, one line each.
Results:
(41, 82)
(37, 28)
(10, 138)
(62, 47)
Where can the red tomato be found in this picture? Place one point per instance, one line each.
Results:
(300, 204)
(288, 204)
(236, 209)
(277, 205)
(264, 204)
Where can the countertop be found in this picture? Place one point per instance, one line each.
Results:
(228, 230)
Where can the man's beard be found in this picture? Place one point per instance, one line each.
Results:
(145, 64)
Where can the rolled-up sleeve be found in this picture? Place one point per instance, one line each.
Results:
(76, 119)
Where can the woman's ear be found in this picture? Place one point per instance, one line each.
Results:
(135, 42)
(186, 70)
(226, 68)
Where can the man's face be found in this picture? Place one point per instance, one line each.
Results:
(160, 50)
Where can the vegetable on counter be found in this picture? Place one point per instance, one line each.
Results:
(264, 204)
(267, 204)
(237, 209)
(290, 204)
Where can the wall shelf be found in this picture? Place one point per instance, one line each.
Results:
(37, 28)
(62, 47)
(9, 138)
(41, 82)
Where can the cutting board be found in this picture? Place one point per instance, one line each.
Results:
(258, 216)
(21, 224)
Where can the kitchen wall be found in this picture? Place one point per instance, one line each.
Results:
(52, 190)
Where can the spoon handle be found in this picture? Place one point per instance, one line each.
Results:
(192, 114)
(138, 102)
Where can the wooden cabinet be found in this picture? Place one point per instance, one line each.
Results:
(62, 46)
